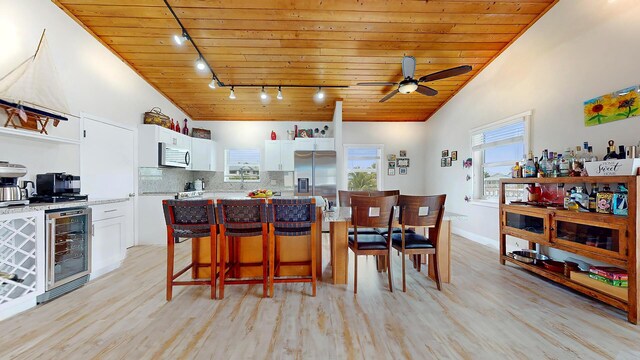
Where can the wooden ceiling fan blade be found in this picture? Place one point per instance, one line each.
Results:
(389, 96)
(425, 90)
(446, 73)
(408, 67)
(383, 83)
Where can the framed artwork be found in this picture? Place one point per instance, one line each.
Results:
(391, 157)
(392, 164)
(402, 171)
(403, 162)
(447, 161)
(443, 162)
(445, 153)
(403, 153)
(454, 155)
(391, 171)
(618, 105)
(305, 133)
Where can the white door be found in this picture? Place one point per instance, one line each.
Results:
(107, 165)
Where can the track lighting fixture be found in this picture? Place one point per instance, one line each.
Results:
(200, 65)
(232, 94)
(279, 97)
(263, 94)
(212, 84)
(180, 39)
(319, 94)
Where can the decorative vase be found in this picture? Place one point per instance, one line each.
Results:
(177, 126)
(173, 125)
(185, 129)
(273, 135)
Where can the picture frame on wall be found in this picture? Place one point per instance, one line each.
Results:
(391, 171)
(392, 164)
(445, 153)
(391, 157)
(403, 153)
(402, 162)
(443, 162)
(454, 155)
(402, 171)
(447, 161)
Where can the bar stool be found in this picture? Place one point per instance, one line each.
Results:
(291, 217)
(192, 219)
(419, 211)
(371, 212)
(241, 219)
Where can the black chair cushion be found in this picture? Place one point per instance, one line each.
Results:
(412, 241)
(369, 241)
(364, 230)
(395, 230)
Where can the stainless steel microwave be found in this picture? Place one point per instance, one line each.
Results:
(171, 156)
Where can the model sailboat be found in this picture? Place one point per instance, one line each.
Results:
(31, 94)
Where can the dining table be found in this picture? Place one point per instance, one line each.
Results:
(339, 219)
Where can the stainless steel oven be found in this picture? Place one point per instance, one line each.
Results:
(68, 247)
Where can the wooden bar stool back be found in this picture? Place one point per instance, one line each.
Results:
(371, 212)
(292, 217)
(241, 219)
(419, 211)
(192, 219)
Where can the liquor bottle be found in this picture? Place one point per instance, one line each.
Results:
(563, 165)
(591, 155)
(567, 199)
(529, 167)
(556, 165)
(178, 126)
(592, 197)
(578, 162)
(516, 171)
(173, 125)
(544, 165)
(185, 129)
(622, 154)
(611, 151)
(569, 158)
(536, 165)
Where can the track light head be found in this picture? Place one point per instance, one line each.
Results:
(263, 94)
(320, 94)
(180, 39)
(232, 94)
(279, 97)
(200, 64)
(212, 84)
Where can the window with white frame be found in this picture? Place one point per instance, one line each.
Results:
(242, 165)
(496, 148)
(363, 165)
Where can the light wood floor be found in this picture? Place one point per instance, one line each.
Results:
(487, 312)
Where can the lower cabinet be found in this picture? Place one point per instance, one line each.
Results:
(109, 238)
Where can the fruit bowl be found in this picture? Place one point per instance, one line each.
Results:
(260, 193)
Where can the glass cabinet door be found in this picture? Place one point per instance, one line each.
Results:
(526, 225)
(609, 239)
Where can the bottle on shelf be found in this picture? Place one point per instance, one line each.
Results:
(564, 166)
(178, 126)
(593, 197)
(592, 156)
(185, 129)
(556, 165)
(516, 171)
(620, 204)
(567, 199)
(173, 125)
(529, 167)
(622, 153)
(611, 151)
(544, 170)
(536, 165)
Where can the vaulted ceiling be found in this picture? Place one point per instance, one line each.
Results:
(291, 42)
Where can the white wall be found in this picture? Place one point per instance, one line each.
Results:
(94, 81)
(579, 50)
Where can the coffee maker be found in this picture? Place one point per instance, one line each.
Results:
(57, 187)
(10, 192)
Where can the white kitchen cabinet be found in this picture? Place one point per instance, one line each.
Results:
(315, 144)
(278, 155)
(110, 228)
(203, 154)
(148, 138)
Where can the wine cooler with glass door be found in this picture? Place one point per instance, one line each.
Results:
(68, 251)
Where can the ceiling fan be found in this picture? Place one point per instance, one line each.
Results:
(409, 84)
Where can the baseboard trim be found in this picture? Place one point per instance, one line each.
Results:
(475, 237)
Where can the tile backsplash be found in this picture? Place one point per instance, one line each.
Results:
(160, 180)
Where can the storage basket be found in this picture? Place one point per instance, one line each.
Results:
(201, 133)
(156, 117)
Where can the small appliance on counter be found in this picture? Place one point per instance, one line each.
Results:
(57, 187)
(183, 195)
(10, 192)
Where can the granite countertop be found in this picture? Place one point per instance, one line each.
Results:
(59, 205)
(209, 192)
(344, 214)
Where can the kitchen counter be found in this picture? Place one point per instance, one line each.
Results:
(58, 205)
(207, 193)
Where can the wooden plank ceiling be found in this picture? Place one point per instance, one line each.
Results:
(323, 42)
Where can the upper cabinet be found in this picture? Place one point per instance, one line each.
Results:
(315, 144)
(203, 154)
(278, 155)
(202, 151)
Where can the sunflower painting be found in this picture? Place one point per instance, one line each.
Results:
(617, 105)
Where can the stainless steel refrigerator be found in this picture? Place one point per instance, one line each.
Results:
(315, 174)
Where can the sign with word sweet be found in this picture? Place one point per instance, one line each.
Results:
(613, 167)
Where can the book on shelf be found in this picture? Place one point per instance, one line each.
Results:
(618, 283)
(584, 279)
(609, 272)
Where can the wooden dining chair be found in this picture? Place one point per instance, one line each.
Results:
(344, 198)
(295, 218)
(419, 211)
(192, 219)
(240, 219)
(371, 212)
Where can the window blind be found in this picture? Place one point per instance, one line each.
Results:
(499, 135)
